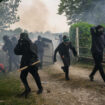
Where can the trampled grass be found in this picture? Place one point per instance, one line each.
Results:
(10, 86)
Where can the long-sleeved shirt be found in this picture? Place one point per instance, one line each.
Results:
(63, 50)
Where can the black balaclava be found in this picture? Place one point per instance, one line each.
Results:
(24, 36)
(99, 30)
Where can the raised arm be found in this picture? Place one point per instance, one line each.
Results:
(93, 31)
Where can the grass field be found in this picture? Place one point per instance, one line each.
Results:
(78, 91)
(10, 86)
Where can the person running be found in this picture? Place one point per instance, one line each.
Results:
(25, 48)
(63, 49)
(97, 48)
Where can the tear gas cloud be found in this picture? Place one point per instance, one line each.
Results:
(37, 15)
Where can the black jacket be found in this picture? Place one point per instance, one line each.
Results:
(64, 50)
(28, 52)
(98, 41)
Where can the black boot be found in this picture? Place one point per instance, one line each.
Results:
(40, 91)
(67, 73)
(67, 78)
(63, 68)
(91, 78)
(25, 93)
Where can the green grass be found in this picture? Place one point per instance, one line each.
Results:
(10, 86)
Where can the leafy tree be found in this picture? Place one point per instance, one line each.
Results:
(8, 13)
(91, 11)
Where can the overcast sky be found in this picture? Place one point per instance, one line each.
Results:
(41, 15)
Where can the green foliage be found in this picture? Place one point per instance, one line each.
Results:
(91, 11)
(8, 12)
(84, 36)
(10, 86)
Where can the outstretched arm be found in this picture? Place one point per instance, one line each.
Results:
(73, 49)
(55, 53)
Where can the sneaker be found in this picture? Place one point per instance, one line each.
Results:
(67, 78)
(27, 93)
(40, 91)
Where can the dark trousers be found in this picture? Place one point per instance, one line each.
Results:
(66, 62)
(34, 73)
(66, 71)
(98, 58)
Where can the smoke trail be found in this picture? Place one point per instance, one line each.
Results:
(35, 17)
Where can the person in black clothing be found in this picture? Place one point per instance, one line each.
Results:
(63, 50)
(8, 48)
(40, 46)
(98, 44)
(15, 58)
(29, 55)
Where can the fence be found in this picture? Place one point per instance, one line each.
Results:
(83, 51)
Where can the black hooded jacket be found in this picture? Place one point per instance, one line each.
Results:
(27, 50)
(64, 50)
(98, 41)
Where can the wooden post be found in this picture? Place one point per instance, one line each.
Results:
(77, 40)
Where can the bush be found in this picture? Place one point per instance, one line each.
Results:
(84, 36)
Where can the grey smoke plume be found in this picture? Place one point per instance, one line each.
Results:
(35, 18)
(97, 13)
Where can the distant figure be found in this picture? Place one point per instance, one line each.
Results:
(26, 48)
(40, 46)
(8, 48)
(14, 41)
(98, 44)
(63, 50)
(15, 58)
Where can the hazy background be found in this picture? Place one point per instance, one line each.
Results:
(41, 15)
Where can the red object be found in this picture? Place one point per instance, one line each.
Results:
(2, 66)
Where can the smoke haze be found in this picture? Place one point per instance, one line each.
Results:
(35, 16)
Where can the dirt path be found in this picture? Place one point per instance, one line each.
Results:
(78, 91)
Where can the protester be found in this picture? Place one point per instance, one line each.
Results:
(8, 48)
(63, 50)
(98, 44)
(29, 55)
